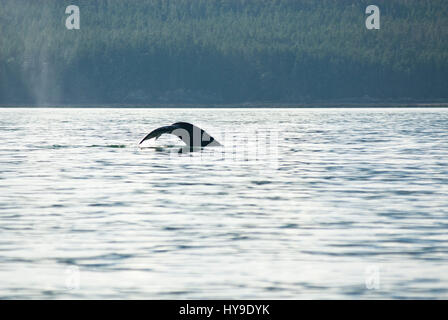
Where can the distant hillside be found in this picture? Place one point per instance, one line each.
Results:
(221, 51)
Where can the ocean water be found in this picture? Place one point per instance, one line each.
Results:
(297, 204)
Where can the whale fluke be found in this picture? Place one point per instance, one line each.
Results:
(191, 135)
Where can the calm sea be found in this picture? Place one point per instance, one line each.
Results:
(299, 203)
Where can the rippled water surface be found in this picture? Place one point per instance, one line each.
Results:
(299, 203)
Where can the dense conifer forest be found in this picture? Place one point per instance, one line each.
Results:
(221, 51)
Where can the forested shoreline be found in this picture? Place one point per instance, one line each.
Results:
(221, 51)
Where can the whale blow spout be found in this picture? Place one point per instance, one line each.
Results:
(191, 135)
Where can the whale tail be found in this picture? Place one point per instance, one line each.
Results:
(191, 135)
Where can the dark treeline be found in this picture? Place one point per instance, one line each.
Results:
(221, 51)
